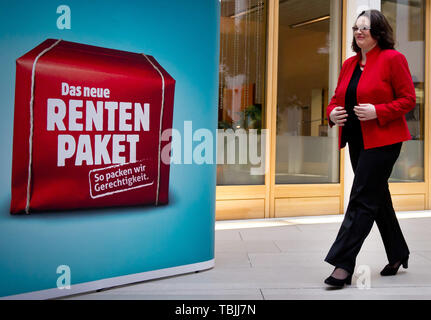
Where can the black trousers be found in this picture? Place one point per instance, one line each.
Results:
(370, 200)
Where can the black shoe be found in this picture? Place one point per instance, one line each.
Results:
(338, 282)
(389, 270)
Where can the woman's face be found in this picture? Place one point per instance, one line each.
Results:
(363, 38)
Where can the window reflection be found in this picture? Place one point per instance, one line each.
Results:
(407, 20)
(307, 152)
(241, 89)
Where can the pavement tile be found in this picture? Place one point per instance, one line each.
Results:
(287, 262)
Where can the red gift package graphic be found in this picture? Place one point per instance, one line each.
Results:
(88, 128)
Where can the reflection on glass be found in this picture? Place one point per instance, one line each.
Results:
(407, 19)
(241, 91)
(308, 64)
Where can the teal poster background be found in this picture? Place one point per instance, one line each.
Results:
(104, 243)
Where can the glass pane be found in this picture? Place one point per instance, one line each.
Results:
(241, 92)
(407, 20)
(308, 66)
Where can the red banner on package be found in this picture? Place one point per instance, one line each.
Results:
(87, 128)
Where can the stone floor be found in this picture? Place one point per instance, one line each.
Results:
(283, 259)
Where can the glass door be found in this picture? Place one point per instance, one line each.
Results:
(305, 149)
(241, 153)
(307, 153)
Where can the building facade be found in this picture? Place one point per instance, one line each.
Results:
(279, 65)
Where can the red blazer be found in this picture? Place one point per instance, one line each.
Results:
(386, 83)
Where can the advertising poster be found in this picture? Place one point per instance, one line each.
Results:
(108, 125)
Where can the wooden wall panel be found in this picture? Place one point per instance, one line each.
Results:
(311, 206)
(240, 192)
(240, 209)
(307, 190)
(409, 202)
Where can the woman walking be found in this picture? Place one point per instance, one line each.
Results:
(374, 92)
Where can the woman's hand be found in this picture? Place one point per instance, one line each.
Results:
(338, 116)
(365, 111)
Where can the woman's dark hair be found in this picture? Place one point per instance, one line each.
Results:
(381, 30)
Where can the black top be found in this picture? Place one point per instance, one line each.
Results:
(352, 127)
